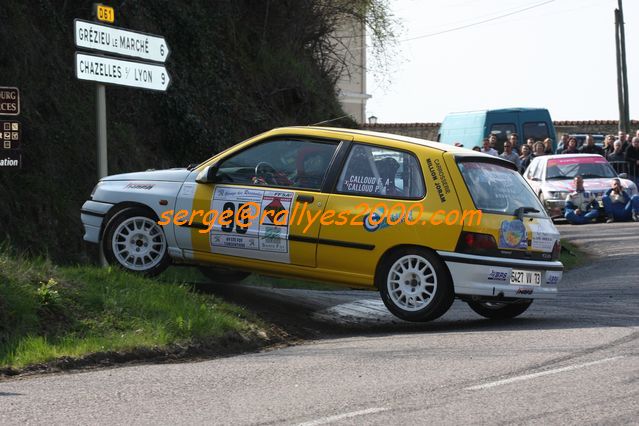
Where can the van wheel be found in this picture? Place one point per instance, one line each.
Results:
(135, 242)
(222, 275)
(415, 285)
(500, 310)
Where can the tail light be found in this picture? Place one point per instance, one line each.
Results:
(556, 250)
(476, 243)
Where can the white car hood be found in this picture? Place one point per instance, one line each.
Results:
(590, 185)
(168, 175)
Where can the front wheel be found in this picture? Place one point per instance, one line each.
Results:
(500, 310)
(415, 285)
(135, 242)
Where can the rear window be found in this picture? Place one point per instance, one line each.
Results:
(497, 189)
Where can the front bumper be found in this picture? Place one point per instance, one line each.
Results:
(490, 276)
(92, 216)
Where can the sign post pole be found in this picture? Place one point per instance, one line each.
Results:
(100, 120)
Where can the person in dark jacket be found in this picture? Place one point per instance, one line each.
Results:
(590, 147)
(571, 148)
(632, 157)
(619, 206)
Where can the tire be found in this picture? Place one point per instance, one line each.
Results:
(408, 275)
(500, 310)
(222, 275)
(134, 241)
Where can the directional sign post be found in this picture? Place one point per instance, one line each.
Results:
(109, 70)
(120, 72)
(89, 35)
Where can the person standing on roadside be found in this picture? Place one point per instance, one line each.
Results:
(632, 157)
(509, 155)
(590, 147)
(486, 149)
(571, 148)
(563, 143)
(581, 206)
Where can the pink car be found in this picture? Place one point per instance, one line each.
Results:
(551, 177)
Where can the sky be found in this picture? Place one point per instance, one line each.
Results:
(559, 55)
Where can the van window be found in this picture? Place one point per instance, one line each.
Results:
(502, 131)
(497, 189)
(537, 130)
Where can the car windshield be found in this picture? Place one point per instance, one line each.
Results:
(586, 167)
(498, 189)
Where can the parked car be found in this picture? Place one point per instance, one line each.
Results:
(551, 178)
(581, 139)
(471, 127)
(390, 211)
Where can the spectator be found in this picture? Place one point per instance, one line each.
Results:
(623, 137)
(563, 143)
(509, 155)
(608, 145)
(632, 157)
(514, 142)
(617, 154)
(590, 147)
(548, 146)
(487, 149)
(530, 142)
(476, 148)
(492, 138)
(572, 147)
(581, 206)
(525, 153)
(538, 151)
(619, 206)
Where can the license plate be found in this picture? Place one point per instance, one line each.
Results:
(519, 277)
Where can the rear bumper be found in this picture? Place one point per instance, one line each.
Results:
(92, 216)
(490, 276)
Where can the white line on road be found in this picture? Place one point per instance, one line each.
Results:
(541, 373)
(331, 419)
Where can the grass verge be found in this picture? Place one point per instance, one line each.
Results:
(51, 313)
(571, 256)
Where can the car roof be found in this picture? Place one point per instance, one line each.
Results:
(359, 135)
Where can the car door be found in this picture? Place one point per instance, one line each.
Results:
(375, 185)
(267, 189)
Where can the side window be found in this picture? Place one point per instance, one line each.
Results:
(282, 163)
(502, 131)
(381, 172)
(538, 130)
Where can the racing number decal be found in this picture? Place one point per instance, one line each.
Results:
(256, 224)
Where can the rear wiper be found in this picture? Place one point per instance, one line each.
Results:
(521, 211)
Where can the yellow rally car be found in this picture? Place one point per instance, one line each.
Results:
(420, 221)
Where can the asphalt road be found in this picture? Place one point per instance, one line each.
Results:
(572, 360)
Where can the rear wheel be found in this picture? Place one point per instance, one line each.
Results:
(500, 310)
(223, 275)
(134, 241)
(415, 285)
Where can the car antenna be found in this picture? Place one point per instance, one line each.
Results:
(328, 121)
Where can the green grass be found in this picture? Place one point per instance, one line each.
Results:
(48, 312)
(571, 256)
(192, 275)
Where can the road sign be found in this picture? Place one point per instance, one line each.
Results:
(10, 135)
(10, 159)
(104, 13)
(120, 72)
(105, 38)
(9, 101)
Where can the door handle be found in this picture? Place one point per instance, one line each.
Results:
(305, 198)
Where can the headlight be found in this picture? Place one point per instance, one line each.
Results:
(554, 195)
(95, 188)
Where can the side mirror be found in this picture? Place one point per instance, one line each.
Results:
(208, 174)
(623, 175)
